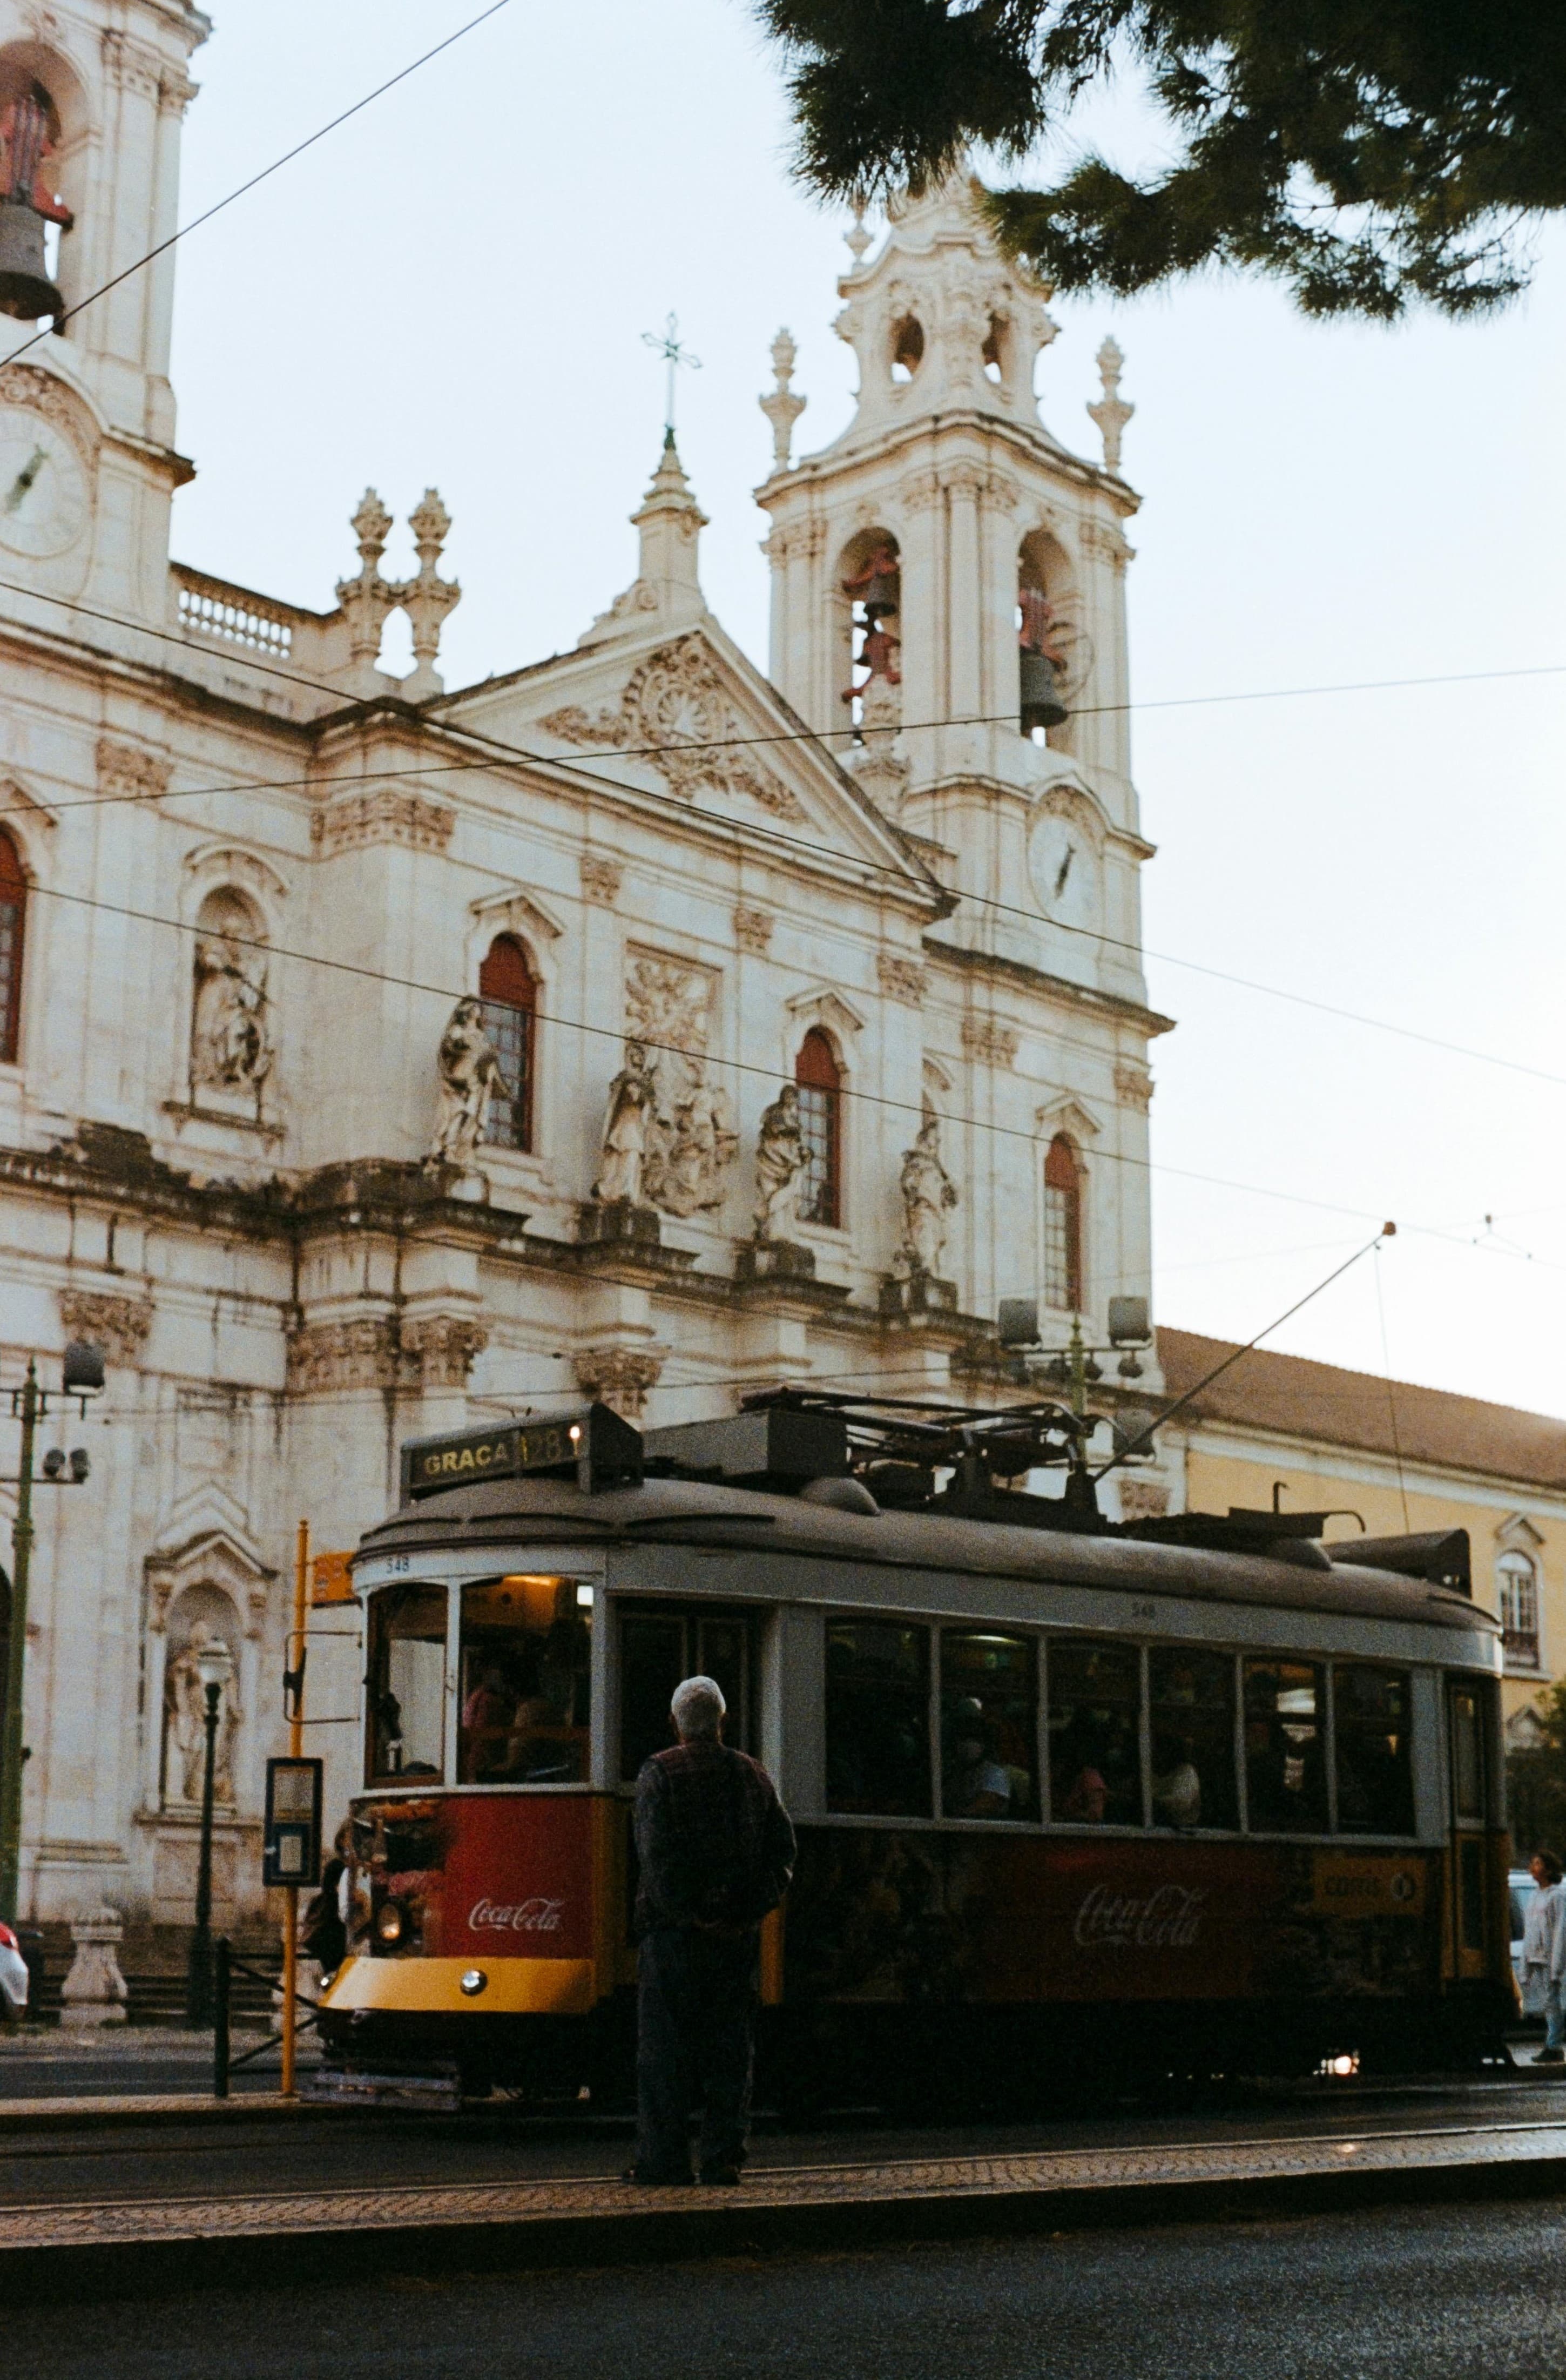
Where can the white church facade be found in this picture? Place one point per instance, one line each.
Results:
(376, 1057)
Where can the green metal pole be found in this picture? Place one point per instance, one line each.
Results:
(1078, 1358)
(11, 1752)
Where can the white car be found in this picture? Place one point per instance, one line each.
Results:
(13, 1977)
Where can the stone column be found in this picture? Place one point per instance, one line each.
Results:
(94, 1992)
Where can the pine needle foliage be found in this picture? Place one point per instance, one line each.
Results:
(1371, 154)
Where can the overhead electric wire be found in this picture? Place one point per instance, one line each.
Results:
(184, 230)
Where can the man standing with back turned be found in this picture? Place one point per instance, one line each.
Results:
(717, 1853)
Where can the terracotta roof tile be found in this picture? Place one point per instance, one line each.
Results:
(1300, 1399)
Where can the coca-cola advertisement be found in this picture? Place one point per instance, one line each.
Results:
(510, 1875)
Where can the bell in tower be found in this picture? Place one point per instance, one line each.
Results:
(29, 132)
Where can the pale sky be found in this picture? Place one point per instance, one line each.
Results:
(451, 290)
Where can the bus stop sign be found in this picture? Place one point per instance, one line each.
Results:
(291, 1845)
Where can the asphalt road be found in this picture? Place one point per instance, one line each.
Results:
(1439, 2294)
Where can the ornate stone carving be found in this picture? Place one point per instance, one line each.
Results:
(676, 712)
(117, 1324)
(753, 930)
(366, 597)
(127, 773)
(427, 597)
(780, 1158)
(184, 1720)
(689, 1141)
(327, 1356)
(443, 1346)
(619, 1377)
(782, 407)
(600, 879)
(1134, 1085)
(387, 814)
(928, 1195)
(901, 979)
(25, 385)
(471, 1075)
(993, 1044)
(1111, 412)
(1104, 538)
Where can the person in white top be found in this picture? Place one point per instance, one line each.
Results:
(1544, 1956)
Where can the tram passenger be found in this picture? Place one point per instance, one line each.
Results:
(716, 1852)
(1177, 1784)
(980, 1787)
(485, 1717)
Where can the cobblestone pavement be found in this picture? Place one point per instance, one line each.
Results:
(848, 2184)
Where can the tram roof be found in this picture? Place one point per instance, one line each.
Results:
(516, 1512)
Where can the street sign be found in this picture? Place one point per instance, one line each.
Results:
(291, 1844)
(331, 1581)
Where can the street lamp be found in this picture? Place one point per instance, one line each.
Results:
(81, 1375)
(212, 1668)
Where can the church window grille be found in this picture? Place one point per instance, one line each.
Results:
(817, 1073)
(1062, 1227)
(509, 993)
(13, 924)
(1519, 1596)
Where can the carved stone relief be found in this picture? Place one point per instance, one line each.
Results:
(619, 1377)
(676, 712)
(1134, 1085)
(600, 879)
(993, 1044)
(753, 930)
(230, 1043)
(127, 773)
(443, 1346)
(901, 979)
(689, 1136)
(117, 1324)
(385, 816)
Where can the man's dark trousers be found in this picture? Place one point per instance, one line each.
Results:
(696, 1996)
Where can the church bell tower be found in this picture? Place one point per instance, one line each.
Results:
(948, 594)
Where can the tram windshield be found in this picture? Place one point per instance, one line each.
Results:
(406, 1681)
(524, 1668)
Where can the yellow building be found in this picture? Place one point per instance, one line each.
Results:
(1401, 1458)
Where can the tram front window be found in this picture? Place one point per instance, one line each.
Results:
(1095, 1734)
(406, 1683)
(1285, 1767)
(524, 1672)
(1192, 1695)
(1374, 1773)
(877, 1718)
(988, 1726)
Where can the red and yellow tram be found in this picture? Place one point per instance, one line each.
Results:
(1203, 1794)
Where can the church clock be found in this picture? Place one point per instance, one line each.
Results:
(1065, 871)
(44, 497)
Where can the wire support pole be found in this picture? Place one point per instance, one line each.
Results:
(295, 1748)
(13, 1753)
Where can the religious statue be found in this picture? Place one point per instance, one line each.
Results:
(228, 1041)
(701, 1144)
(928, 1195)
(185, 1721)
(780, 1158)
(471, 1075)
(632, 1106)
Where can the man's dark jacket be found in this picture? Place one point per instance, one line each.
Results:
(713, 1841)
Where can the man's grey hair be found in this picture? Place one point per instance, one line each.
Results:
(696, 1707)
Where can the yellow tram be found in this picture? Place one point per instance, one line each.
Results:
(1073, 1798)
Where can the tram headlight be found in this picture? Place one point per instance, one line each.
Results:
(391, 1923)
(473, 1982)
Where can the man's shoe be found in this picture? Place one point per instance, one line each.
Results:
(719, 2176)
(1550, 2058)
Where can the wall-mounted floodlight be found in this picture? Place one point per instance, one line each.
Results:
(83, 1371)
(1017, 1322)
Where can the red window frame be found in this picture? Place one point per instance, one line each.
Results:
(509, 991)
(820, 1080)
(13, 940)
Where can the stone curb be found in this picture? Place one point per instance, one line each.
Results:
(158, 2248)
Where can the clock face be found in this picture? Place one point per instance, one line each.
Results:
(1065, 872)
(43, 485)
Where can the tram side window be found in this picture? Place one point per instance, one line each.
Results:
(1467, 1758)
(1192, 1695)
(1095, 1734)
(988, 1726)
(877, 1718)
(652, 1662)
(525, 1668)
(406, 1683)
(1370, 1720)
(1285, 1760)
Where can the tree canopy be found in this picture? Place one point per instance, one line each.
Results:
(1371, 154)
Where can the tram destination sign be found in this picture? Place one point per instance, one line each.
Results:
(593, 1446)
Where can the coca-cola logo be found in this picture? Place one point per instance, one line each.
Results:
(1167, 1919)
(535, 1916)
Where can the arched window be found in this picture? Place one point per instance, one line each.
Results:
(13, 921)
(1518, 1585)
(1062, 1227)
(510, 997)
(820, 1122)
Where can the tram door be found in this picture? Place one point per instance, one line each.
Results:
(660, 1644)
(1468, 1740)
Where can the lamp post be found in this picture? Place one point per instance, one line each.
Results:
(212, 1667)
(81, 1377)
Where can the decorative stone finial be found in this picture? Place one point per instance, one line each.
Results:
(1111, 413)
(426, 598)
(857, 237)
(782, 407)
(367, 598)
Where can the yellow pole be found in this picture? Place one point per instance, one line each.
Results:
(295, 1748)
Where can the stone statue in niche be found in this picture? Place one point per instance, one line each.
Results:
(699, 1144)
(470, 1076)
(632, 1108)
(780, 1158)
(229, 1049)
(184, 1723)
(928, 1195)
